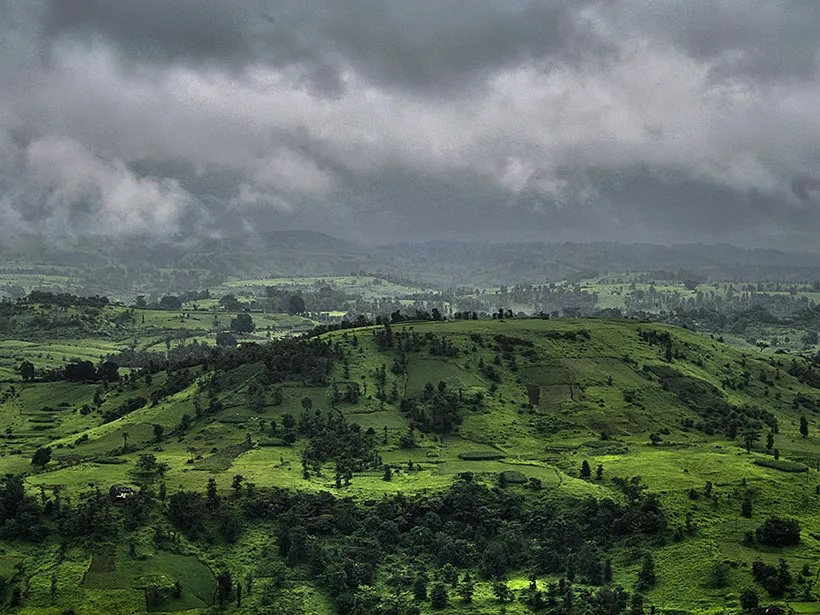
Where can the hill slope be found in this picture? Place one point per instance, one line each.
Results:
(526, 404)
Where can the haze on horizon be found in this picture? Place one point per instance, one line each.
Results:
(378, 120)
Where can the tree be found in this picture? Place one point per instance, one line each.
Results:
(586, 471)
(646, 575)
(750, 436)
(230, 303)
(158, 431)
(438, 596)
(449, 574)
(749, 600)
(236, 484)
(420, 586)
(125, 436)
(636, 605)
(212, 499)
(170, 302)
(78, 371)
(769, 441)
(225, 339)
(243, 323)
(467, 588)
(804, 427)
(224, 584)
(778, 532)
(26, 370)
(502, 593)
(746, 507)
(147, 464)
(108, 371)
(41, 456)
(296, 305)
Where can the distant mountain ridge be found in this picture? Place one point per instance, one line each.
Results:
(434, 263)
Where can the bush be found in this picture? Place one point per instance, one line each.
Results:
(480, 456)
(781, 464)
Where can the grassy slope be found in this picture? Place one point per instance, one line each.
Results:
(548, 441)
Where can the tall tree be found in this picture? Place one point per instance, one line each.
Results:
(26, 370)
(41, 456)
(224, 584)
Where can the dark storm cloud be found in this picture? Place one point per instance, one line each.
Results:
(383, 120)
(428, 43)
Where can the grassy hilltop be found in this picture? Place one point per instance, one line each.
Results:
(535, 414)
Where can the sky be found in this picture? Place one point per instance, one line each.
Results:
(384, 121)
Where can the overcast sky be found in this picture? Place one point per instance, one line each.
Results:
(380, 120)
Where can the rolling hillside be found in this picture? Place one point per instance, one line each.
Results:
(547, 411)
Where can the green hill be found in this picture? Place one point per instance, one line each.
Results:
(651, 443)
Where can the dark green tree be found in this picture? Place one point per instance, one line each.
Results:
(636, 604)
(750, 436)
(804, 427)
(296, 305)
(466, 588)
(170, 302)
(749, 600)
(746, 507)
(211, 497)
(778, 532)
(420, 586)
(438, 596)
(646, 575)
(236, 484)
(225, 339)
(243, 323)
(26, 370)
(586, 471)
(224, 586)
(502, 592)
(41, 456)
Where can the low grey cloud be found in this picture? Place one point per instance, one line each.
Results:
(384, 120)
